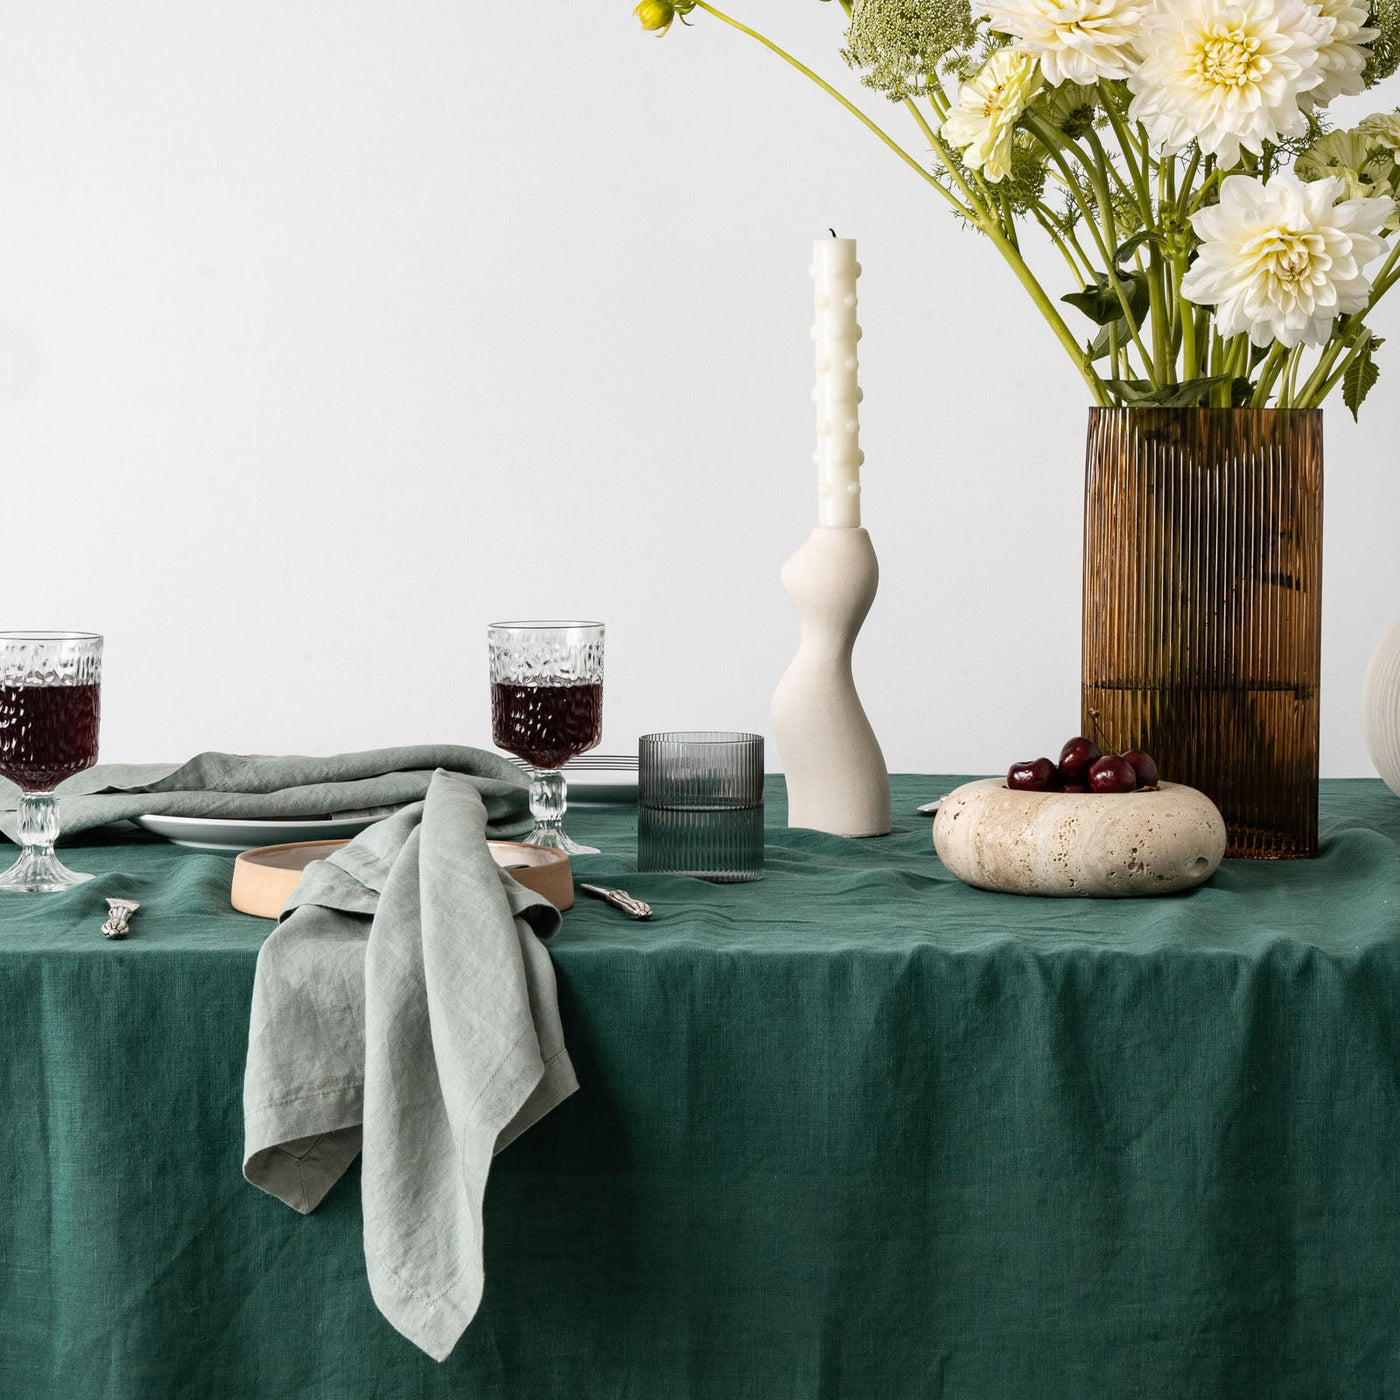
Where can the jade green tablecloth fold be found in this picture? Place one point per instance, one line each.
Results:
(854, 1132)
(267, 787)
(405, 1003)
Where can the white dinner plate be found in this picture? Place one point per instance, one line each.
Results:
(243, 834)
(596, 779)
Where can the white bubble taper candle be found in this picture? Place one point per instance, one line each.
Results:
(838, 456)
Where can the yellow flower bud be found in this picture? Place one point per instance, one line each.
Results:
(655, 15)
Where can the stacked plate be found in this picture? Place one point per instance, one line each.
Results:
(592, 779)
(597, 778)
(243, 833)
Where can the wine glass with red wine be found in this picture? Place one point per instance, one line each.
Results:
(50, 702)
(547, 707)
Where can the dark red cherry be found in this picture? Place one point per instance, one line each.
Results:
(1032, 775)
(1144, 765)
(1076, 758)
(1112, 774)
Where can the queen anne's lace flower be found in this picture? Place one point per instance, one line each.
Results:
(1078, 41)
(1343, 56)
(1281, 261)
(983, 123)
(1227, 73)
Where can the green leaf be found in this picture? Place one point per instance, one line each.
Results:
(1100, 302)
(1102, 342)
(1191, 393)
(1360, 377)
(1131, 245)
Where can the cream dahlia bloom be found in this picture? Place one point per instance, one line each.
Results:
(1281, 261)
(1078, 41)
(1227, 73)
(1343, 55)
(983, 122)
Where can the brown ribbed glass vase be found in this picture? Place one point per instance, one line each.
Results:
(1203, 608)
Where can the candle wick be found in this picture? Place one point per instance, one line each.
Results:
(833, 233)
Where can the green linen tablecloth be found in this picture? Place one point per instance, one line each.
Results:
(856, 1131)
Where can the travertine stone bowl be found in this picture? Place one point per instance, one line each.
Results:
(1070, 844)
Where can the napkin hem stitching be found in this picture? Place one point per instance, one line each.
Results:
(268, 1104)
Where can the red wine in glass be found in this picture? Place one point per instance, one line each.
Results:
(50, 705)
(47, 733)
(546, 725)
(546, 708)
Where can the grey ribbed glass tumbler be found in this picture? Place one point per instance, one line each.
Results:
(700, 804)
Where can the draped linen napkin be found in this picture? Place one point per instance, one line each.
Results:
(406, 1007)
(258, 786)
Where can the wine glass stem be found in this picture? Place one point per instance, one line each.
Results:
(548, 798)
(38, 822)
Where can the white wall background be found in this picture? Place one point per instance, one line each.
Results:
(331, 330)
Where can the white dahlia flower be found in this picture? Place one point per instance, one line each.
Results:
(1281, 261)
(1078, 41)
(1343, 55)
(1227, 73)
(983, 122)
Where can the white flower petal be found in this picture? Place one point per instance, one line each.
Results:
(1078, 41)
(1227, 73)
(1281, 261)
(983, 122)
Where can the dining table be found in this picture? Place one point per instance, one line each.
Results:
(855, 1131)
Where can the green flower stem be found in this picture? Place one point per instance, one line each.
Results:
(1078, 247)
(1047, 309)
(1125, 143)
(1268, 373)
(1188, 179)
(1186, 315)
(1337, 374)
(936, 145)
(1101, 159)
(1349, 339)
(1045, 219)
(1157, 315)
(1213, 178)
(1008, 221)
(989, 226)
(1046, 135)
(850, 106)
(1294, 369)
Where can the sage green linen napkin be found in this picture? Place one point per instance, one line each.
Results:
(406, 1007)
(259, 786)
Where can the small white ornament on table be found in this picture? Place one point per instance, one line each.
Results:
(1380, 708)
(836, 776)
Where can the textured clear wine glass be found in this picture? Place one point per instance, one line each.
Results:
(547, 707)
(50, 704)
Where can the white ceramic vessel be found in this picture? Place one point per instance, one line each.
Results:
(836, 776)
(1380, 708)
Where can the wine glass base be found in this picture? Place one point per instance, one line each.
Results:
(40, 873)
(554, 839)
